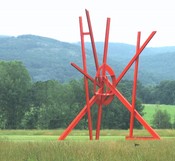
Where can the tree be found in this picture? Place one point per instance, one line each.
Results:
(161, 120)
(30, 118)
(55, 105)
(163, 93)
(166, 92)
(147, 94)
(14, 85)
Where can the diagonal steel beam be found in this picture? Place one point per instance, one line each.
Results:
(77, 119)
(138, 52)
(124, 101)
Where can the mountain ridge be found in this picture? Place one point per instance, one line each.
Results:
(47, 58)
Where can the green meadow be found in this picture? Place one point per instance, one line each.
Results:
(43, 145)
(150, 109)
(88, 151)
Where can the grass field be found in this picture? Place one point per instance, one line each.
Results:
(150, 109)
(42, 145)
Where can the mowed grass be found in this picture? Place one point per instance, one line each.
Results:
(42, 145)
(150, 109)
(75, 135)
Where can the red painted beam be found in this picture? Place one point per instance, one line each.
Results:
(129, 107)
(134, 91)
(77, 119)
(138, 52)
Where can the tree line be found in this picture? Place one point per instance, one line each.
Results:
(50, 104)
(163, 93)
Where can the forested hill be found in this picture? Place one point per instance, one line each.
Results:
(155, 63)
(47, 58)
(44, 58)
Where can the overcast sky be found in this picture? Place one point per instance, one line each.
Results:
(59, 19)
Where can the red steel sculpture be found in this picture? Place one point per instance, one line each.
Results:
(105, 88)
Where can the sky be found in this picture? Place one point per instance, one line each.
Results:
(58, 19)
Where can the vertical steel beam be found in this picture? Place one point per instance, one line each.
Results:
(77, 119)
(99, 120)
(85, 78)
(103, 75)
(92, 40)
(134, 92)
(135, 57)
(105, 52)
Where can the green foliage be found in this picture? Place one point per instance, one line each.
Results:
(166, 92)
(3, 120)
(30, 118)
(14, 85)
(54, 105)
(51, 104)
(163, 93)
(161, 120)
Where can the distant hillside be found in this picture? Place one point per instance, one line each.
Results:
(156, 64)
(46, 58)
